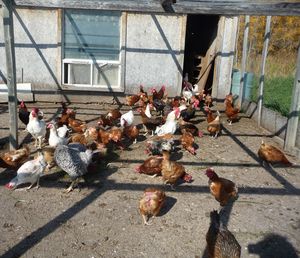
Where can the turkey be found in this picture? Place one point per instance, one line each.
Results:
(29, 172)
(36, 127)
(74, 159)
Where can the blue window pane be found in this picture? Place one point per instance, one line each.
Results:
(92, 34)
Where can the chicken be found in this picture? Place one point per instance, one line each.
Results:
(221, 188)
(114, 114)
(14, 158)
(65, 114)
(63, 131)
(127, 119)
(77, 125)
(189, 127)
(220, 241)
(54, 139)
(187, 141)
(104, 136)
(110, 118)
(149, 122)
(151, 166)
(36, 127)
(132, 99)
(170, 126)
(172, 171)
(160, 94)
(209, 115)
(231, 112)
(156, 146)
(24, 113)
(29, 172)
(229, 98)
(131, 132)
(105, 121)
(74, 160)
(214, 127)
(208, 100)
(48, 153)
(189, 113)
(151, 203)
(115, 135)
(176, 101)
(270, 154)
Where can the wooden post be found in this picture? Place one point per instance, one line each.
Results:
(293, 120)
(11, 72)
(262, 68)
(244, 59)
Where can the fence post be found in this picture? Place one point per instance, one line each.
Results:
(244, 59)
(293, 119)
(262, 68)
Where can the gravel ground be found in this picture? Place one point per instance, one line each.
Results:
(102, 219)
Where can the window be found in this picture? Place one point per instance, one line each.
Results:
(92, 48)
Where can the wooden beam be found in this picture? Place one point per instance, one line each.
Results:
(293, 120)
(262, 68)
(11, 72)
(244, 59)
(219, 7)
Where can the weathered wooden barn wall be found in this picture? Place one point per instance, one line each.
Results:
(37, 48)
(155, 51)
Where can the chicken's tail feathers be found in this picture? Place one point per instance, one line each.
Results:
(287, 162)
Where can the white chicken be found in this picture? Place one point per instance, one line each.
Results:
(63, 131)
(54, 138)
(29, 172)
(127, 119)
(171, 124)
(73, 159)
(36, 127)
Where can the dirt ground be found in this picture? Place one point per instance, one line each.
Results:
(102, 219)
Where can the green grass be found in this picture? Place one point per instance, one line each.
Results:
(277, 93)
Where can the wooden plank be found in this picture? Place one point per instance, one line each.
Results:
(293, 120)
(244, 59)
(11, 72)
(224, 7)
(262, 68)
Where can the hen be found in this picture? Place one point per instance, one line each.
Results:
(24, 113)
(132, 99)
(220, 241)
(189, 113)
(29, 172)
(221, 188)
(172, 171)
(131, 132)
(208, 100)
(209, 114)
(36, 127)
(231, 112)
(151, 166)
(74, 160)
(214, 127)
(77, 125)
(160, 94)
(127, 119)
(54, 139)
(189, 127)
(270, 154)
(170, 126)
(187, 141)
(15, 158)
(151, 203)
(65, 114)
(149, 122)
(159, 144)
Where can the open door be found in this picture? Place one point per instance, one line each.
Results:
(200, 50)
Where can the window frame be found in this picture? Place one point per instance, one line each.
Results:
(91, 87)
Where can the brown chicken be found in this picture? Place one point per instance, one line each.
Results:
(104, 136)
(151, 203)
(221, 188)
(208, 100)
(229, 98)
(214, 127)
(115, 135)
(231, 112)
(149, 123)
(48, 153)
(189, 127)
(172, 171)
(187, 140)
(15, 158)
(270, 154)
(105, 121)
(131, 132)
(132, 99)
(220, 241)
(77, 125)
(209, 114)
(151, 166)
(158, 94)
(64, 118)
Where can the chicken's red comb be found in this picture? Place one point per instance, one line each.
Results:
(138, 169)
(200, 134)
(187, 178)
(9, 186)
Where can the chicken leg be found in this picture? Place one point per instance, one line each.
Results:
(71, 187)
(145, 219)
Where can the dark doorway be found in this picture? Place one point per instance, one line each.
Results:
(199, 54)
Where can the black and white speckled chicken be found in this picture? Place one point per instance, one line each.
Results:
(156, 146)
(73, 159)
